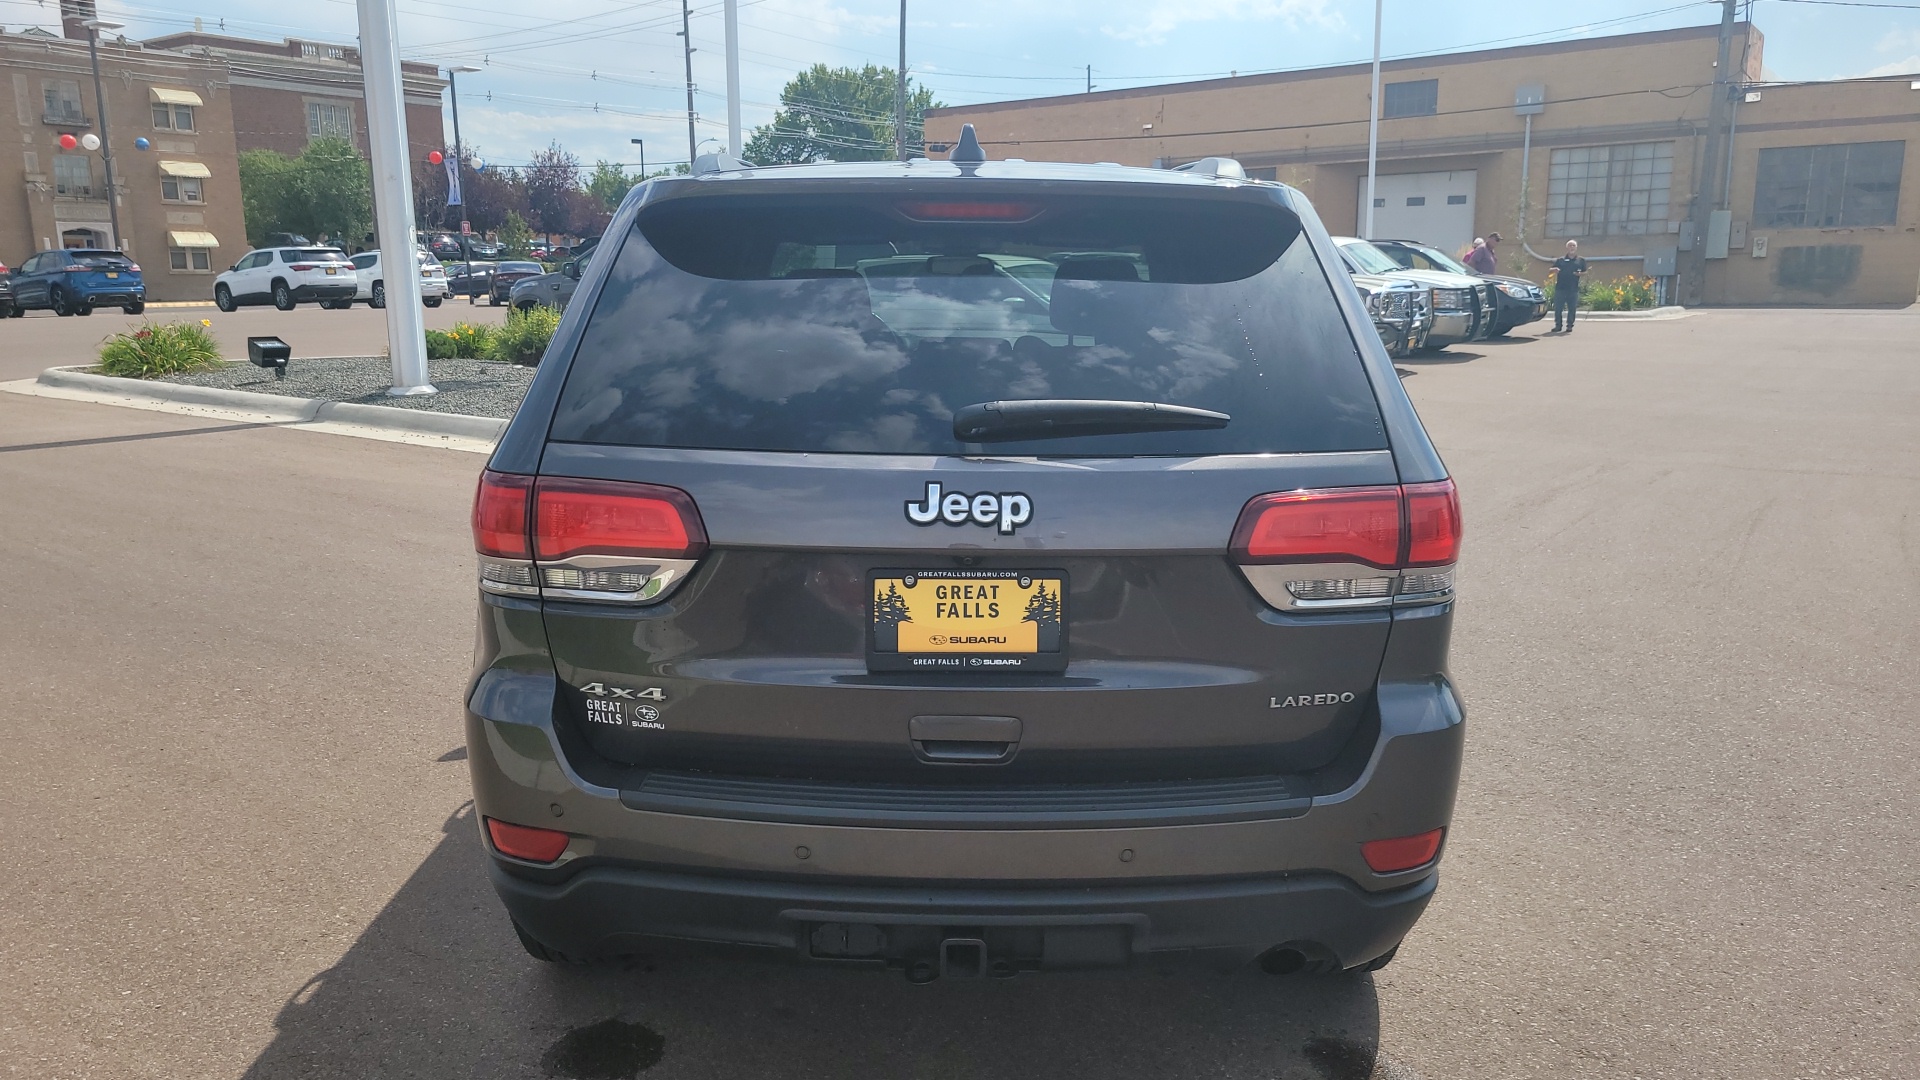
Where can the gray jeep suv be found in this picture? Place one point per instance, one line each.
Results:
(969, 568)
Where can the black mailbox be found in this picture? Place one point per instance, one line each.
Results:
(270, 352)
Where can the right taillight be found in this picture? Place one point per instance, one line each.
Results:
(598, 541)
(1335, 548)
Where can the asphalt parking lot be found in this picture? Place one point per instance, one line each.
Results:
(1687, 843)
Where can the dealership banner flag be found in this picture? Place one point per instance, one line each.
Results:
(453, 182)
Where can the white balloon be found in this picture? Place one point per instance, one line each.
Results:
(90, 141)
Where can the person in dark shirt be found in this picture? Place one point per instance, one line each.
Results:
(1567, 270)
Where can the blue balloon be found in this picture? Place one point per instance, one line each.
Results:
(141, 144)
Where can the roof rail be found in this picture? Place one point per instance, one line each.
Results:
(1223, 167)
(714, 163)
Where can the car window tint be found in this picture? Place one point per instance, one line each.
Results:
(834, 325)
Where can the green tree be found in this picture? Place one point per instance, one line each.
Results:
(609, 183)
(327, 189)
(839, 114)
(515, 235)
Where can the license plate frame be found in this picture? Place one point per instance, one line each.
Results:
(332, 271)
(913, 591)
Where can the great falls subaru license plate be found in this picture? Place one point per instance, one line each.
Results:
(967, 620)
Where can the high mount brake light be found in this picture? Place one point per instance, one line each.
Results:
(608, 517)
(969, 211)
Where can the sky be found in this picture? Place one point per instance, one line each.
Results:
(594, 74)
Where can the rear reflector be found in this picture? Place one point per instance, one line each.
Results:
(1329, 525)
(526, 842)
(608, 517)
(1402, 852)
(500, 515)
(969, 211)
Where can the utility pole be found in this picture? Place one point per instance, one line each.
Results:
(734, 144)
(94, 26)
(393, 195)
(1373, 126)
(1694, 283)
(686, 39)
(1089, 78)
(900, 92)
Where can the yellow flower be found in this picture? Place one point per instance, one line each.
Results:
(206, 322)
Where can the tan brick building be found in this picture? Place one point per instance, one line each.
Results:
(178, 201)
(1606, 133)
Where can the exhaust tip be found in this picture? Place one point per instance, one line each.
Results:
(1283, 961)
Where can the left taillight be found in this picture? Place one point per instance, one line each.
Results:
(595, 541)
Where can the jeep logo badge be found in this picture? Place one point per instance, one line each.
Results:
(1008, 510)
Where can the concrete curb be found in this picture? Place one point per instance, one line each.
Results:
(341, 417)
(1669, 312)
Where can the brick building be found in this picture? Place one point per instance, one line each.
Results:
(178, 201)
(1598, 139)
(288, 93)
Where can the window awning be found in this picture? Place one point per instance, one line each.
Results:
(185, 168)
(166, 96)
(185, 239)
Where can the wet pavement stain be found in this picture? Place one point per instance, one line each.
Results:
(1339, 1059)
(609, 1050)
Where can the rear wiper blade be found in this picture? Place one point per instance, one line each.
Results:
(1063, 418)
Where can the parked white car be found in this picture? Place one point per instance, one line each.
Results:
(286, 277)
(373, 283)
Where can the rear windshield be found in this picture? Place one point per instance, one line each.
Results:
(105, 260)
(1368, 259)
(312, 255)
(521, 268)
(839, 325)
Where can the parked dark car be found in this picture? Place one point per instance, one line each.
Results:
(485, 249)
(852, 592)
(471, 280)
(1519, 301)
(74, 281)
(445, 246)
(8, 309)
(555, 289)
(505, 275)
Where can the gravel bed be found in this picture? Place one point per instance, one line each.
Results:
(474, 387)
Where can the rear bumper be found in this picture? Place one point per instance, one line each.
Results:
(104, 297)
(329, 291)
(603, 910)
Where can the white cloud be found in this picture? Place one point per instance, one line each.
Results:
(1909, 66)
(1897, 39)
(1161, 17)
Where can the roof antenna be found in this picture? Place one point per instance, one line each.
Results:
(967, 151)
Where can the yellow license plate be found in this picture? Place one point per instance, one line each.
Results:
(113, 273)
(968, 620)
(332, 270)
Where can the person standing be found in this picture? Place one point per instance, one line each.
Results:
(1480, 259)
(1567, 271)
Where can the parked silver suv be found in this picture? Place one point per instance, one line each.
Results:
(970, 568)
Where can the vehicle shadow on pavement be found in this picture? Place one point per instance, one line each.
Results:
(1449, 356)
(437, 987)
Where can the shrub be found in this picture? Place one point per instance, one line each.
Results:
(465, 341)
(1628, 293)
(524, 337)
(151, 351)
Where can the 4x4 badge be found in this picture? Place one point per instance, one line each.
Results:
(1007, 510)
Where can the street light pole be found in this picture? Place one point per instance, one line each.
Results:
(459, 163)
(686, 39)
(393, 194)
(900, 92)
(642, 144)
(1373, 125)
(94, 26)
(734, 145)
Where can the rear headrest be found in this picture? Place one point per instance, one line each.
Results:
(1097, 268)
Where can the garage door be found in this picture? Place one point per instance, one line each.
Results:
(1433, 207)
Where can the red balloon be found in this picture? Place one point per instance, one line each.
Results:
(435, 158)
(68, 142)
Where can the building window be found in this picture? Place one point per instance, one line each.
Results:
(180, 189)
(61, 98)
(1418, 98)
(326, 121)
(72, 175)
(1828, 187)
(1609, 190)
(1416, 200)
(172, 117)
(188, 260)
(1456, 200)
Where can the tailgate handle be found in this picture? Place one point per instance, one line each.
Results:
(964, 740)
